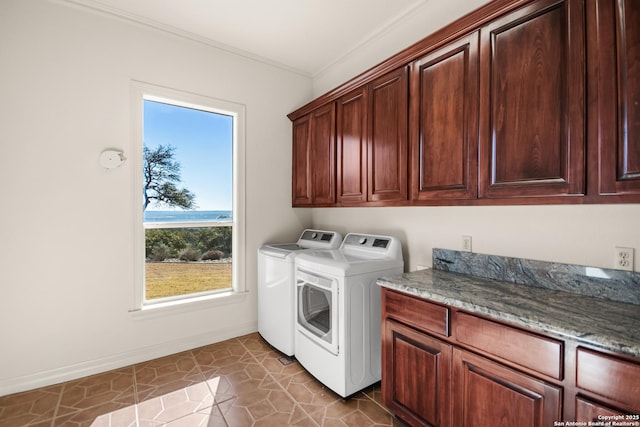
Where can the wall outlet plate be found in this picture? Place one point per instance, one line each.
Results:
(623, 259)
(466, 243)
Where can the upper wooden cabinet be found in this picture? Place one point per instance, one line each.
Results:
(301, 176)
(387, 147)
(352, 146)
(314, 142)
(444, 122)
(614, 99)
(519, 102)
(372, 141)
(532, 102)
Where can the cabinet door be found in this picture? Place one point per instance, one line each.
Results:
(485, 392)
(352, 147)
(587, 410)
(322, 155)
(614, 98)
(416, 376)
(301, 178)
(387, 151)
(313, 178)
(444, 122)
(614, 379)
(532, 138)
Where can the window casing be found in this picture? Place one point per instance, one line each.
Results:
(140, 93)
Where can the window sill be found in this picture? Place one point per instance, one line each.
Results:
(187, 305)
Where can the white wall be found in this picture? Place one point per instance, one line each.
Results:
(66, 246)
(584, 235)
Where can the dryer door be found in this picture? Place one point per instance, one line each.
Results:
(317, 309)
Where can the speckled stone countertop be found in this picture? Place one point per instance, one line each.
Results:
(600, 322)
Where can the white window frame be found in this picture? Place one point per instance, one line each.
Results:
(142, 308)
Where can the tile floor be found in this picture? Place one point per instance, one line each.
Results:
(236, 383)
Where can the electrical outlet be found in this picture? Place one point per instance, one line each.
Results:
(466, 243)
(624, 259)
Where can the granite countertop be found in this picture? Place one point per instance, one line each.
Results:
(600, 322)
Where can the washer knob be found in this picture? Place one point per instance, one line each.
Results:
(314, 235)
(362, 240)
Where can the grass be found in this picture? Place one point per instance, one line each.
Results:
(165, 279)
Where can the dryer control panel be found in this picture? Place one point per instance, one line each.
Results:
(364, 240)
(371, 246)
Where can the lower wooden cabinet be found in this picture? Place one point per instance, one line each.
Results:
(446, 367)
(417, 369)
(486, 393)
(587, 410)
(610, 379)
(428, 382)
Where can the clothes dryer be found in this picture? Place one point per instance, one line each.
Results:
(338, 306)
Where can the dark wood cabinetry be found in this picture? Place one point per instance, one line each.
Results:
(446, 367)
(387, 148)
(519, 102)
(614, 99)
(417, 369)
(444, 122)
(301, 171)
(532, 97)
(372, 141)
(352, 146)
(313, 156)
(587, 410)
(607, 378)
(491, 394)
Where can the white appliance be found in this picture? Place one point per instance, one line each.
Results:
(337, 337)
(276, 285)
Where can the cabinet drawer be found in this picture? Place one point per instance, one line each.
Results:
(609, 376)
(416, 312)
(528, 350)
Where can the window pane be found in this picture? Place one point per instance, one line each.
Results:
(187, 260)
(188, 179)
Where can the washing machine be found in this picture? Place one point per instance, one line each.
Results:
(338, 310)
(276, 285)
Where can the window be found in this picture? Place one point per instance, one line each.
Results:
(189, 181)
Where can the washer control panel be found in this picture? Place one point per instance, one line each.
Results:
(320, 239)
(317, 236)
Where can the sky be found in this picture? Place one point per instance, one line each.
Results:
(203, 146)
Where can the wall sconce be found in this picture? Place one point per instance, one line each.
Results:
(111, 159)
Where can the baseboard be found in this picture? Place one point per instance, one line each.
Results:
(91, 367)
